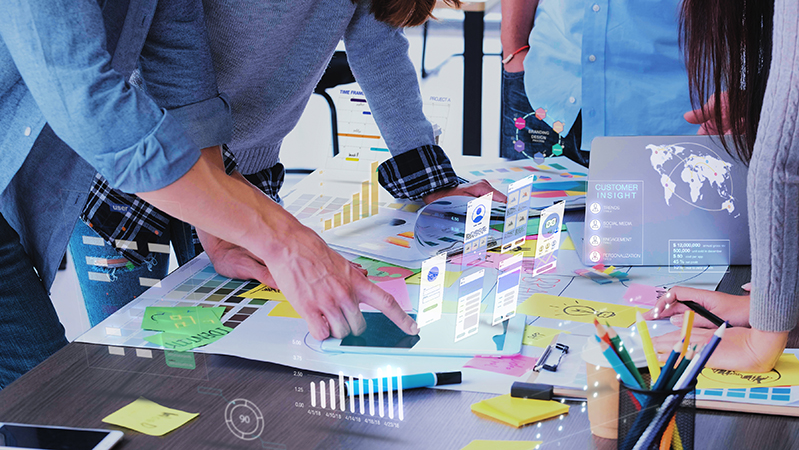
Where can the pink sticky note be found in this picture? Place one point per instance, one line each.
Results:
(515, 366)
(398, 289)
(642, 294)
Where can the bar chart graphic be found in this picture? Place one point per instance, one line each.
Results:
(363, 204)
(339, 395)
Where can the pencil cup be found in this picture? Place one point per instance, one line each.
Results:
(639, 407)
(603, 401)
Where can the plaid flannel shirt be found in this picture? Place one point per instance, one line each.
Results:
(128, 223)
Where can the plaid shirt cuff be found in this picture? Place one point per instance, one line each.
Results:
(269, 181)
(418, 172)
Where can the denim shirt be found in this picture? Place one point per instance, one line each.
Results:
(67, 64)
(616, 60)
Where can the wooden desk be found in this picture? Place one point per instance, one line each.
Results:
(473, 32)
(83, 383)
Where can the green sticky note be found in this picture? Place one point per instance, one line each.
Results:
(149, 417)
(179, 360)
(383, 271)
(181, 320)
(502, 445)
(185, 342)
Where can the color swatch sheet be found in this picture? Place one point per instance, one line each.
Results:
(269, 329)
(558, 178)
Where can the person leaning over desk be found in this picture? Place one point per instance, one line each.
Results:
(756, 61)
(268, 62)
(62, 77)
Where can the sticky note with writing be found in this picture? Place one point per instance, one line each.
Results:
(149, 417)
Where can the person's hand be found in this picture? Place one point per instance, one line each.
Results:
(732, 308)
(233, 261)
(474, 189)
(704, 117)
(740, 349)
(326, 289)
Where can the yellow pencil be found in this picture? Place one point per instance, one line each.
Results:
(649, 350)
(687, 326)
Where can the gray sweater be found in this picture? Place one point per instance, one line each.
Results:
(269, 56)
(773, 187)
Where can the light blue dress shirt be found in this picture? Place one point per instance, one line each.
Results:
(618, 61)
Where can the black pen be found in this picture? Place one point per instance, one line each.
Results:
(702, 311)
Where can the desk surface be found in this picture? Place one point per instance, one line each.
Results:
(83, 383)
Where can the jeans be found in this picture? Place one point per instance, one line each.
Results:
(29, 325)
(536, 136)
(108, 280)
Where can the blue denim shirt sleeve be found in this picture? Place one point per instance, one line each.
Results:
(59, 48)
(177, 71)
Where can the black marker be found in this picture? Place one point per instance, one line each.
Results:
(702, 311)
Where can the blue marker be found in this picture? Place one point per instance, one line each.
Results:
(408, 382)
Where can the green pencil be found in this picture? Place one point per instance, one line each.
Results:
(681, 368)
(618, 345)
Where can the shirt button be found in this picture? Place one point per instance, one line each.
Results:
(592, 58)
(572, 99)
(595, 8)
(27, 131)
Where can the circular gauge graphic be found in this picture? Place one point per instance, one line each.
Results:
(244, 419)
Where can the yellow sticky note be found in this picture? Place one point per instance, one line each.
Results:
(284, 309)
(564, 308)
(567, 244)
(518, 411)
(449, 279)
(502, 445)
(264, 292)
(539, 336)
(149, 417)
(784, 373)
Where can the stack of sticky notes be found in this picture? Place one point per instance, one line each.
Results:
(184, 328)
(518, 411)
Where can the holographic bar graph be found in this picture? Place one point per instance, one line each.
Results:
(328, 391)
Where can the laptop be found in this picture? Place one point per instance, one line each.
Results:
(665, 201)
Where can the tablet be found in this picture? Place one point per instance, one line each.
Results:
(382, 337)
(46, 437)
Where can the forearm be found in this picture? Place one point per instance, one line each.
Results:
(227, 207)
(517, 22)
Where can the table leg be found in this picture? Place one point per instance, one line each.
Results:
(473, 29)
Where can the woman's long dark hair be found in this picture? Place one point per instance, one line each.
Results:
(406, 13)
(727, 45)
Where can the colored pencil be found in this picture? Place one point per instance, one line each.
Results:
(669, 406)
(687, 326)
(617, 365)
(681, 368)
(668, 369)
(603, 333)
(649, 349)
(618, 345)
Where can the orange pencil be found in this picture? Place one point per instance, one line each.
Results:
(687, 326)
(603, 334)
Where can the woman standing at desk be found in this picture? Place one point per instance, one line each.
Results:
(759, 69)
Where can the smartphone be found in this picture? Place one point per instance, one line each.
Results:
(45, 437)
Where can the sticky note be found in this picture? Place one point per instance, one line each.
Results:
(539, 336)
(449, 278)
(515, 366)
(518, 411)
(185, 342)
(398, 290)
(784, 373)
(502, 445)
(182, 320)
(264, 292)
(564, 308)
(567, 244)
(284, 309)
(149, 417)
(641, 294)
(378, 271)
